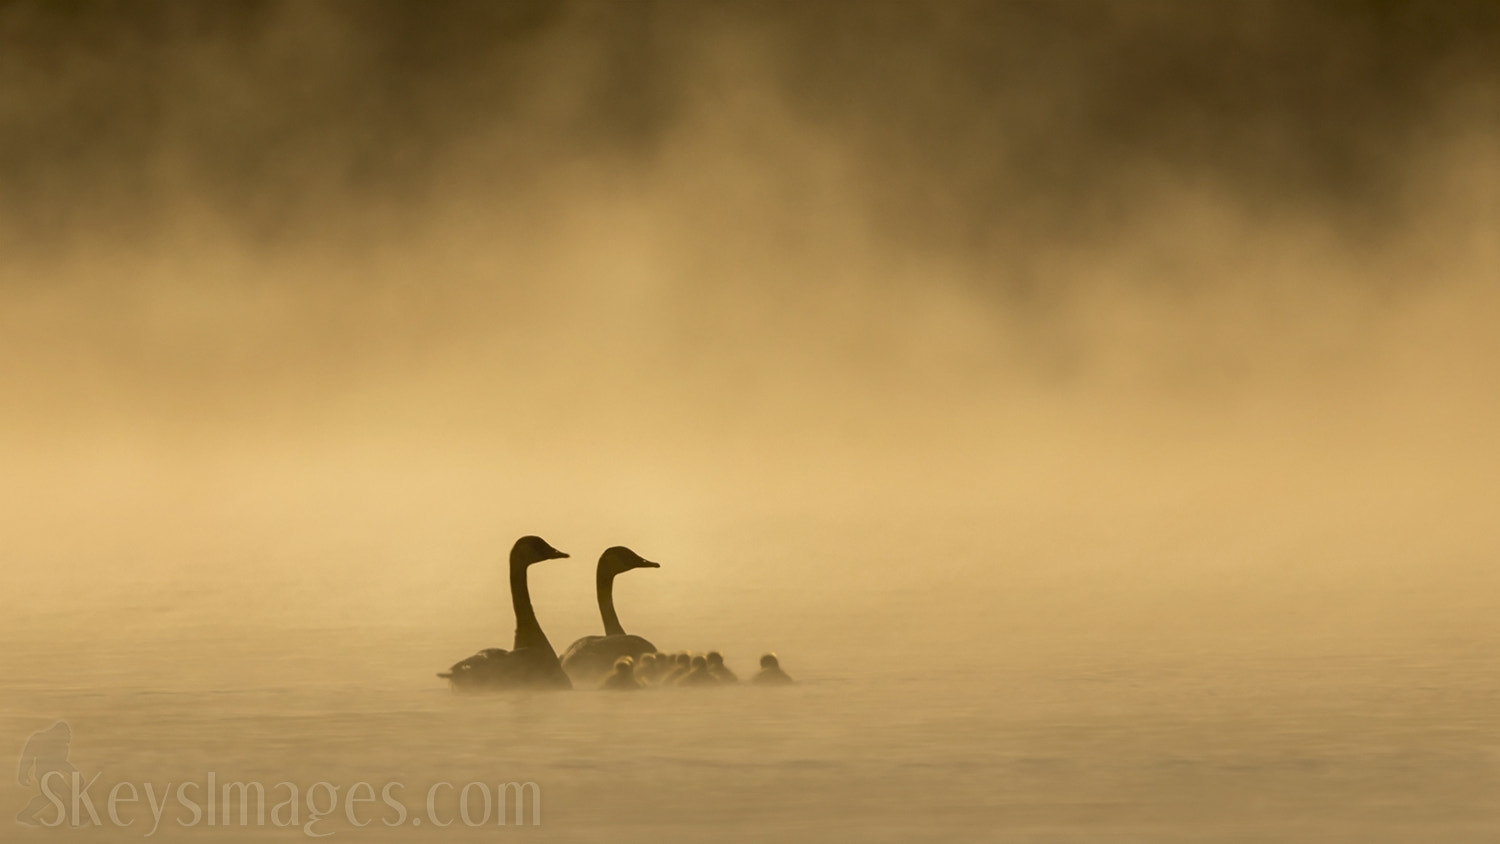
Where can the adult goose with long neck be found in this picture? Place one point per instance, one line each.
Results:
(591, 657)
(532, 663)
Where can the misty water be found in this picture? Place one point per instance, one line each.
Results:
(1167, 746)
(1070, 700)
(1135, 604)
(1092, 404)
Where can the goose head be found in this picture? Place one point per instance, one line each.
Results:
(533, 549)
(619, 559)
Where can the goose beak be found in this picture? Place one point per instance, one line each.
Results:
(647, 564)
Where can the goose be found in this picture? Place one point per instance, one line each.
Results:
(624, 677)
(697, 675)
(589, 658)
(679, 664)
(647, 669)
(720, 671)
(771, 673)
(531, 662)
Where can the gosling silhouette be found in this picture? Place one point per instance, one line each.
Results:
(720, 671)
(532, 663)
(771, 673)
(589, 658)
(678, 665)
(698, 674)
(648, 668)
(623, 680)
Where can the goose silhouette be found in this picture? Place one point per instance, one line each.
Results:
(592, 657)
(531, 663)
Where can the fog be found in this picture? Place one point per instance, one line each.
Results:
(995, 330)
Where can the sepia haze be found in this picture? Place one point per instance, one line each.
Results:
(986, 332)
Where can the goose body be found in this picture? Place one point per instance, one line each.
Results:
(531, 663)
(592, 657)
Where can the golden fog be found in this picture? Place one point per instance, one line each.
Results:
(908, 331)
